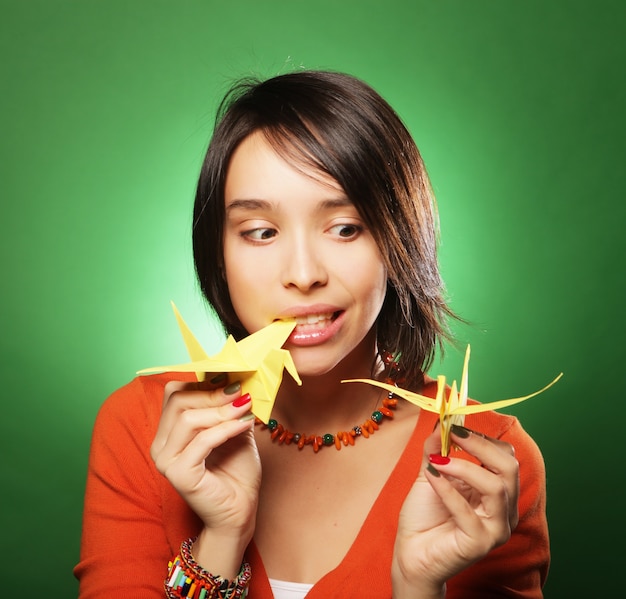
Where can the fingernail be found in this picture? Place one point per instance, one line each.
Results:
(232, 388)
(218, 378)
(460, 431)
(242, 400)
(433, 470)
(247, 417)
(436, 458)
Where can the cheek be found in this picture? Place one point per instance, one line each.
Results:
(239, 264)
(247, 283)
(379, 282)
(240, 289)
(369, 278)
(379, 290)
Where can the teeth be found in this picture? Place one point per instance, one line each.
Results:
(313, 318)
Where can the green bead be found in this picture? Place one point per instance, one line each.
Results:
(328, 439)
(272, 424)
(377, 416)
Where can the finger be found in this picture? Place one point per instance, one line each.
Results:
(190, 422)
(182, 401)
(492, 513)
(493, 454)
(432, 445)
(188, 467)
(492, 488)
(194, 423)
(208, 384)
(461, 432)
(179, 397)
(494, 458)
(465, 518)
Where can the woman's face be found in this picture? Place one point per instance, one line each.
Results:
(296, 247)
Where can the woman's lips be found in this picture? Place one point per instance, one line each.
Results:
(313, 329)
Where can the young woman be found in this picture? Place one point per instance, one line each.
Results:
(313, 203)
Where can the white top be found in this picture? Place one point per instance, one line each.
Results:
(289, 590)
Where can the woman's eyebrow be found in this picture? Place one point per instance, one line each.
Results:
(254, 204)
(248, 204)
(340, 202)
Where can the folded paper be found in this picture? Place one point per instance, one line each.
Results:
(453, 408)
(257, 361)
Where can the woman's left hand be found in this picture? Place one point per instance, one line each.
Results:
(456, 512)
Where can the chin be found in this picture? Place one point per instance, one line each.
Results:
(311, 366)
(313, 370)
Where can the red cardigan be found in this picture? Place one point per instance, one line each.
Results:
(134, 521)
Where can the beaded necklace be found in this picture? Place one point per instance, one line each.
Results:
(281, 435)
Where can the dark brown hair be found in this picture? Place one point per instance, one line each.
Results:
(340, 126)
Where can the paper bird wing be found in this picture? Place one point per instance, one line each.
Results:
(194, 349)
(229, 359)
(258, 358)
(502, 403)
(430, 404)
(264, 383)
(427, 403)
(255, 347)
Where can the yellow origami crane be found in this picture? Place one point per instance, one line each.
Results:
(454, 408)
(258, 359)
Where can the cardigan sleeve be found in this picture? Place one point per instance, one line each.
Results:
(517, 569)
(124, 547)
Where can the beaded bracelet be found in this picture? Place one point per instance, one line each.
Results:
(187, 580)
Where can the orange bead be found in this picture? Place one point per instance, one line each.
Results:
(386, 411)
(338, 441)
(350, 438)
(277, 431)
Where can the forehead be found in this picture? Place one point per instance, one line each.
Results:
(259, 166)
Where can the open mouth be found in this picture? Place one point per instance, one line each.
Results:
(316, 319)
(314, 325)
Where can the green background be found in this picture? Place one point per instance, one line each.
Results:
(106, 108)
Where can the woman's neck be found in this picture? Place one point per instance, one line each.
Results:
(325, 403)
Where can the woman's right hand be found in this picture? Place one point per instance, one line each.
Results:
(205, 447)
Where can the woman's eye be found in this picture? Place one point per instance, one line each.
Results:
(261, 234)
(346, 231)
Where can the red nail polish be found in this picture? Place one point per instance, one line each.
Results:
(435, 458)
(242, 400)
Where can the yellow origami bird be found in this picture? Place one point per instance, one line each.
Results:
(454, 408)
(258, 359)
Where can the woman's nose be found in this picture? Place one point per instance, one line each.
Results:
(304, 267)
